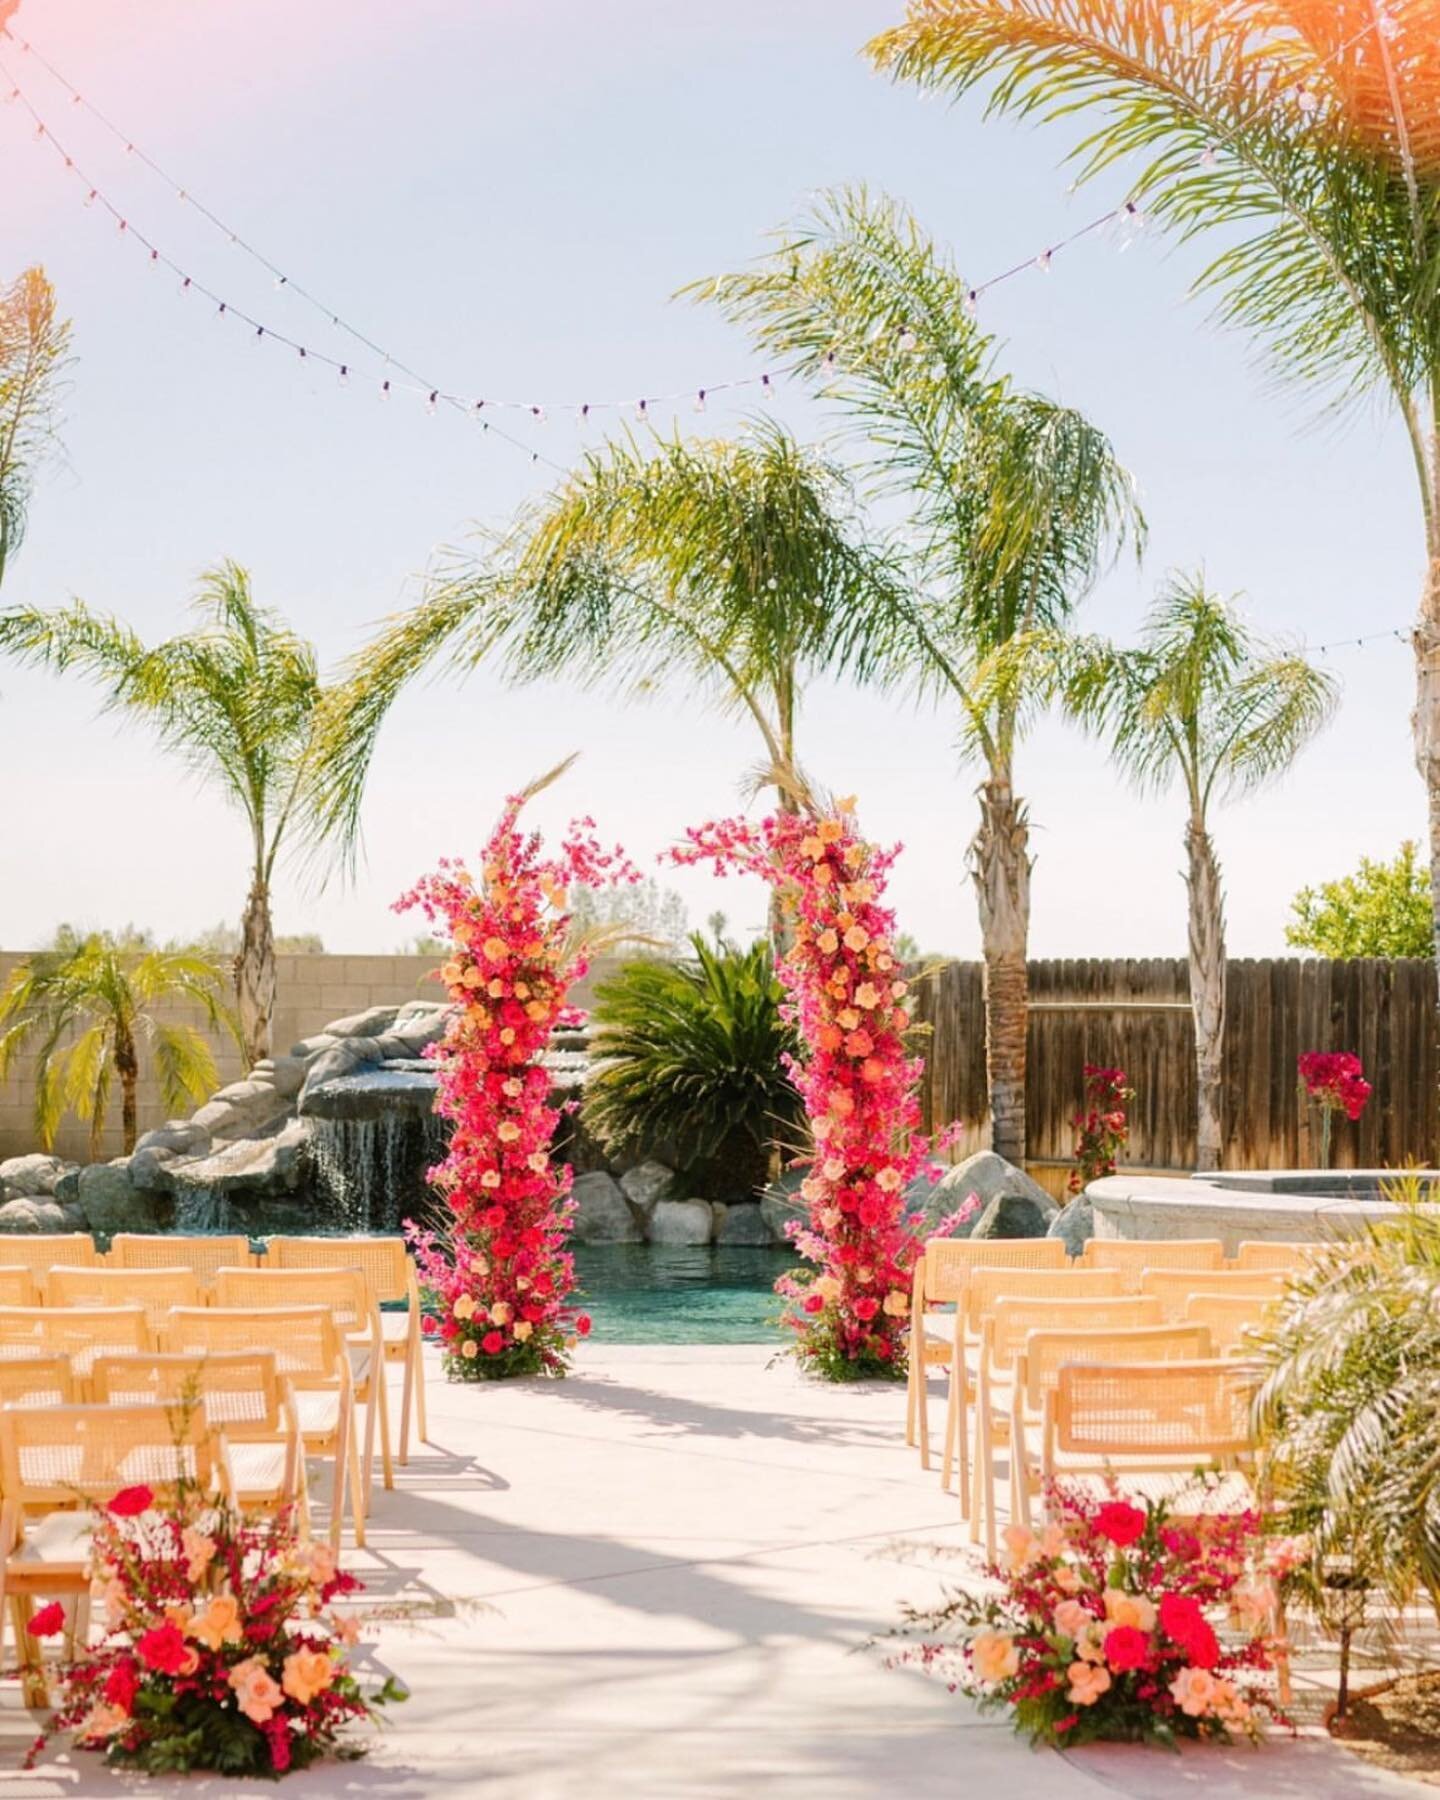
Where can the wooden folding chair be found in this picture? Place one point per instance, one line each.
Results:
(1132, 1256)
(241, 1393)
(155, 1250)
(390, 1270)
(1173, 1287)
(348, 1294)
(40, 1251)
(1230, 1318)
(1037, 1370)
(17, 1286)
(312, 1356)
(982, 1288)
(55, 1459)
(936, 1282)
(80, 1333)
(1290, 1258)
(157, 1290)
(37, 1381)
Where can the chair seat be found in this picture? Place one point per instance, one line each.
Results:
(58, 1541)
(395, 1329)
(319, 1411)
(259, 1470)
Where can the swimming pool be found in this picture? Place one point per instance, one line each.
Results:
(654, 1294)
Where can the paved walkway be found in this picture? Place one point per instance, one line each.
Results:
(657, 1579)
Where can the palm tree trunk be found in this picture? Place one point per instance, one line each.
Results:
(1207, 988)
(255, 974)
(1000, 868)
(127, 1067)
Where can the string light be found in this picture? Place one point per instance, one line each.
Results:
(1356, 643)
(907, 339)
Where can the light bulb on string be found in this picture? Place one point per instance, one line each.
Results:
(1209, 156)
(1306, 102)
(385, 389)
(281, 281)
(344, 375)
(92, 197)
(582, 417)
(972, 303)
(642, 411)
(1044, 260)
(259, 333)
(432, 401)
(122, 224)
(538, 414)
(700, 401)
(829, 362)
(766, 390)
(906, 339)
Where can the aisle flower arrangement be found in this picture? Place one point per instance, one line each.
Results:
(847, 993)
(502, 1276)
(1102, 1127)
(221, 1650)
(1115, 1622)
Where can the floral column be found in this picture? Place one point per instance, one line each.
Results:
(505, 1276)
(847, 992)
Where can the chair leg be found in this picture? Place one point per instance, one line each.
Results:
(1282, 1652)
(359, 1490)
(922, 1410)
(421, 1421)
(407, 1389)
(35, 1690)
(947, 1454)
(911, 1377)
(381, 1386)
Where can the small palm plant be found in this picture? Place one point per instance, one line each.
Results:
(34, 346)
(90, 1003)
(1350, 1408)
(1206, 704)
(688, 1060)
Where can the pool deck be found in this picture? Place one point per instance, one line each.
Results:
(658, 1579)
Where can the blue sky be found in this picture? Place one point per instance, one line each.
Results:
(508, 194)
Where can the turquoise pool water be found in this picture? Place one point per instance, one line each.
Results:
(649, 1294)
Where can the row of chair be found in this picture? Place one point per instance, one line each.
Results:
(150, 1268)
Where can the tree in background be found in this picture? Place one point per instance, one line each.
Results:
(689, 1061)
(1383, 909)
(734, 565)
(1205, 702)
(240, 701)
(87, 1007)
(1011, 505)
(34, 346)
(1309, 135)
(654, 920)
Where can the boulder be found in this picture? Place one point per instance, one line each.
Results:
(35, 1214)
(67, 1189)
(240, 1110)
(368, 1024)
(312, 1046)
(25, 1177)
(602, 1213)
(111, 1202)
(936, 1199)
(1016, 1216)
(287, 1073)
(647, 1183)
(1075, 1223)
(148, 1168)
(249, 1168)
(682, 1222)
(781, 1202)
(182, 1136)
(743, 1224)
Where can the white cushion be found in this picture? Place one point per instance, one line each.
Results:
(259, 1469)
(319, 1410)
(57, 1538)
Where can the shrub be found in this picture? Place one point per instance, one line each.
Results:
(688, 1064)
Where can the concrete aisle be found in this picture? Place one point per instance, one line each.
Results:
(658, 1579)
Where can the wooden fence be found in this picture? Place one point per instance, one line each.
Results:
(1136, 1015)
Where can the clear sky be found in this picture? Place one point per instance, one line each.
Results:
(507, 192)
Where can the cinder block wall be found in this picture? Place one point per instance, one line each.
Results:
(312, 990)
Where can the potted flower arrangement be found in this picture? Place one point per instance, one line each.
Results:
(221, 1650)
(1108, 1624)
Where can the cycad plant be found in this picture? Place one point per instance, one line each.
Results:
(1307, 134)
(1204, 703)
(1350, 1407)
(239, 700)
(34, 344)
(688, 1061)
(1009, 505)
(87, 1009)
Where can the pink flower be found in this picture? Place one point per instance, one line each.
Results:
(130, 1502)
(163, 1648)
(48, 1622)
(1122, 1523)
(1126, 1647)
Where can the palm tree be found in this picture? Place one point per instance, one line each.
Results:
(34, 344)
(1310, 135)
(90, 1001)
(733, 564)
(1205, 702)
(240, 700)
(1012, 505)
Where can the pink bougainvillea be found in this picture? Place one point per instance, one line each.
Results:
(847, 993)
(1336, 1080)
(504, 1278)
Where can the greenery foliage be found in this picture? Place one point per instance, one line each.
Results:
(34, 347)
(1383, 909)
(1351, 1405)
(688, 1057)
(87, 1006)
